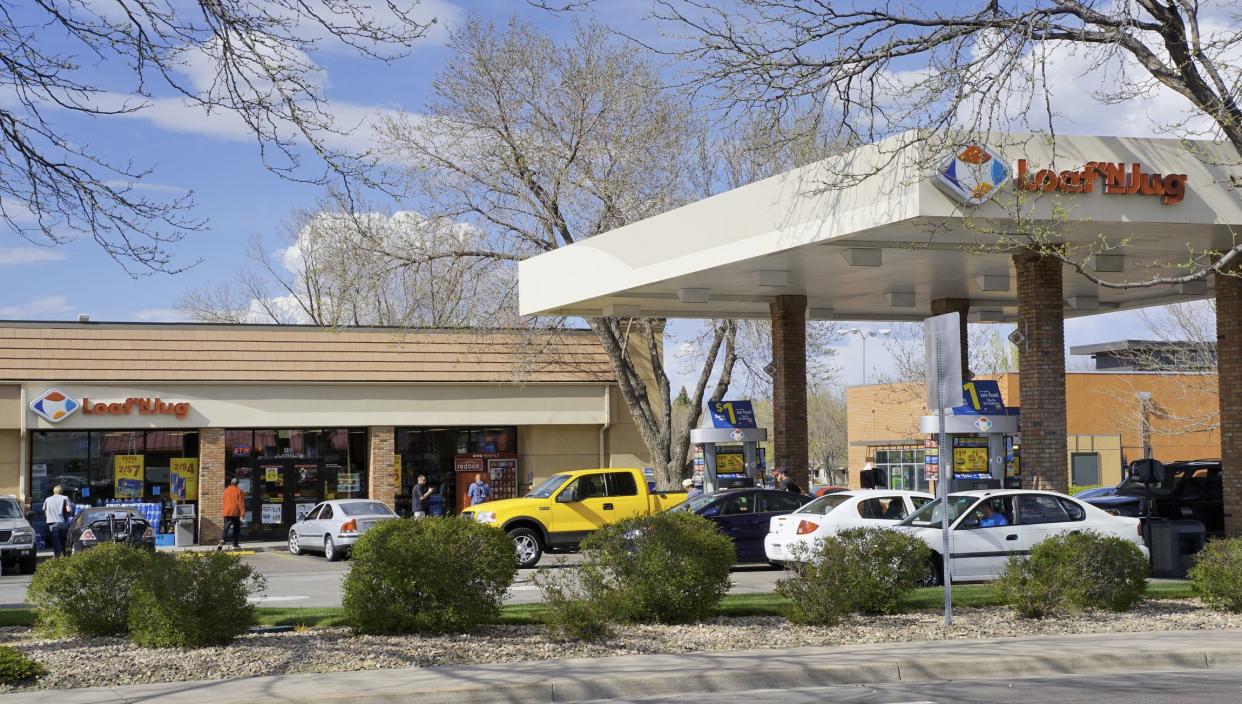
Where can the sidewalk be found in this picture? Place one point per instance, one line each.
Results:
(649, 675)
(246, 548)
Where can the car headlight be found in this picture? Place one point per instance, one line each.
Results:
(23, 536)
(485, 516)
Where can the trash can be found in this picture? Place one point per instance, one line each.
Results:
(183, 525)
(1172, 545)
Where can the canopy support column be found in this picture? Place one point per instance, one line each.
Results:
(789, 422)
(1041, 365)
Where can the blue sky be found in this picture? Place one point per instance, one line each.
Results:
(240, 199)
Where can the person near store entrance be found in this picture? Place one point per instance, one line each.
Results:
(784, 483)
(234, 509)
(479, 491)
(418, 497)
(57, 509)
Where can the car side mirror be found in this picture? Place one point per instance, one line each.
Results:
(1147, 471)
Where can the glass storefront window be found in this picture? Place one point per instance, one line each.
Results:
(97, 466)
(430, 452)
(898, 467)
(59, 458)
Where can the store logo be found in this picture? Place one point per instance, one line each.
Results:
(973, 174)
(983, 424)
(54, 406)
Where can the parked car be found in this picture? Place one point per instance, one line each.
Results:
(109, 524)
(1189, 490)
(17, 538)
(333, 527)
(566, 507)
(796, 533)
(744, 514)
(989, 527)
(1098, 491)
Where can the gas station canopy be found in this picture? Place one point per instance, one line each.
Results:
(886, 247)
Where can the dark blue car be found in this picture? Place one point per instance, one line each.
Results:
(744, 515)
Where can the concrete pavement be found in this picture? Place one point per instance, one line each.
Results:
(654, 675)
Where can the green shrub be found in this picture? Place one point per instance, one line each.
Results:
(1074, 571)
(427, 575)
(17, 668)
(1217, 575)
(193, 600)
(672, 567)
(861, 569)
(87, 594)
(569, 612)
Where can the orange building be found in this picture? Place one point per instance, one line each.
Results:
(1112, 417)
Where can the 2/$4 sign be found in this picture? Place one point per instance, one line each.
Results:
(55, 405)
(974, 173)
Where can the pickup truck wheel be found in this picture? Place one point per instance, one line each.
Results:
(26, 565)
(935, 573)
(527, 546)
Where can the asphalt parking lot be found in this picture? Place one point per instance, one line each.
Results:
(310, 580)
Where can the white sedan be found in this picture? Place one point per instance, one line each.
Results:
(989, 527)
(332, 527)
(794, 534)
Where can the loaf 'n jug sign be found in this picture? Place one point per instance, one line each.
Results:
(1113, 179)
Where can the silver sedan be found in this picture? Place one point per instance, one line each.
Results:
(333, 527)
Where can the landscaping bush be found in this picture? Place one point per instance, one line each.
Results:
(569, 612)
(672, 567)
(427, 575)
(1217, 575)
(193, 600)
(17, 668)
(1075, 571)
(862, 569)
(87, 594)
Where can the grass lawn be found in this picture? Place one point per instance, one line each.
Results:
(929, 599)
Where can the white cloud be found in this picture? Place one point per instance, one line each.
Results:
(145, 186)
(35, 307)
(158, 315)
(29, 255)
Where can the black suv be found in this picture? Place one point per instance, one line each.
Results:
(1189, 490)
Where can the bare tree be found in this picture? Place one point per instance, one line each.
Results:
(543, 146)
(245, 62)
(971, 70)
(990, 353)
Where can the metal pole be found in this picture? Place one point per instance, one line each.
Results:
(946, 460)
(864, 341)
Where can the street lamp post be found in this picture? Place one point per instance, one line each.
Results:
(864, 334)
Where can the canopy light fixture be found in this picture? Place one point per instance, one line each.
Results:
(1109, 263)
(620, 310)
(1198, 287)
(986, 316)
(992, 282)
(1083, 302)
(858, 256)
(773, 278)
(901, 299)
(694, 295)
(819, 313)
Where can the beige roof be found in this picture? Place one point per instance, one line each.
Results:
(43, 351)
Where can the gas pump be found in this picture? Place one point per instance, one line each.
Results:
(729, 446)
(985, 441)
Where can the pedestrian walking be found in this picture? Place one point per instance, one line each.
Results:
(57, 509)
(479, 490)
(784, 483)
(234, 509)
(419, 496)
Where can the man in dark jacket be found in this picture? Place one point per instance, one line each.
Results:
(784, 483)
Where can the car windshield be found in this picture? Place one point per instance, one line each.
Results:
(365, 508)
(930, 515)
(103, 514)
(548, 487)
(698, 502)
(825, 504)
(10, 509)
(1172, 477)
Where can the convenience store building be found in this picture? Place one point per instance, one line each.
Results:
(148, 412)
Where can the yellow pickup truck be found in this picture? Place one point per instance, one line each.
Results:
(562, 510)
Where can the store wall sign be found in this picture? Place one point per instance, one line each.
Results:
(143, 406)
(54, 405)
(1113, 179)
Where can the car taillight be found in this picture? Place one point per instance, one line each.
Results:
(148, 533)
(350, 526)
(88, 534)
(805, 527)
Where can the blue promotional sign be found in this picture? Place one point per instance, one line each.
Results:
(732, 414)
(982, 397)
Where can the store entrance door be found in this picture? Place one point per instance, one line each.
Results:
(285, 490)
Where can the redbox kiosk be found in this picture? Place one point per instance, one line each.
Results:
(500, 468)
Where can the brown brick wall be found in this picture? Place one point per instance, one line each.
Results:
(210, 485)
(789, 426)
(1041, 362)
(1229, 370)
(961, 306)
(381, 472)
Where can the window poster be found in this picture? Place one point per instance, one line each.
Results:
(272, 513)
(348, 482)
(127, 472)
(184, 478)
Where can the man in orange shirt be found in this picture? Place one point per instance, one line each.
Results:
(234, 509)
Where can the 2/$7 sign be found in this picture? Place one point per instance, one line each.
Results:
(974, 173)
(55, 405)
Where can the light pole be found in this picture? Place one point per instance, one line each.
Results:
(864, 334)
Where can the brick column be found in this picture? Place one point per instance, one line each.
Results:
(961, 306)
(210, 485)
(1041, 366)
(789, 424)
(381, 470)
(1228, 371)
